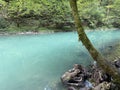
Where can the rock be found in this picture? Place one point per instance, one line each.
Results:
(88, 85)
(71, 88)
(93, 78)
(68, 76)
(117, 63)
(103, 86)
(84, 88)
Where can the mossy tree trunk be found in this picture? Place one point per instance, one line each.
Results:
(102, 62)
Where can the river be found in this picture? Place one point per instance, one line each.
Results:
(36, 62)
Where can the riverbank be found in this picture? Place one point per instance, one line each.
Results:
(32, 30)
(26, 33)
(42, 30)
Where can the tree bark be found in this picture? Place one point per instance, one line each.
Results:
(102, 62)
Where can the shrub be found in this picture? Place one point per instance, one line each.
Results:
(3, 23)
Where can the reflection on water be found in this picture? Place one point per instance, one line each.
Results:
(36, 62)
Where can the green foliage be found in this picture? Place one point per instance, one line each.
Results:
(116, 13)
(54, 12)
(98, 13)
(57, 13)
(3, 23)
(18, 8)
(49, 12)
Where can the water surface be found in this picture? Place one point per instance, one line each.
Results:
(36, 62)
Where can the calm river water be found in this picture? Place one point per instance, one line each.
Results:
(36, 62)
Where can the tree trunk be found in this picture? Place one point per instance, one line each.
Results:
(102, 62)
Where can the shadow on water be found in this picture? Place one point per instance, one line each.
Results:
(36, 62)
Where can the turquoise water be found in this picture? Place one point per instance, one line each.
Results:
(36, 62)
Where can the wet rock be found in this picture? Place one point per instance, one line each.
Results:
(77, 77)
(103, 86)
(68, 77)
(92, 78)
(84, 88)
(71, 88)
